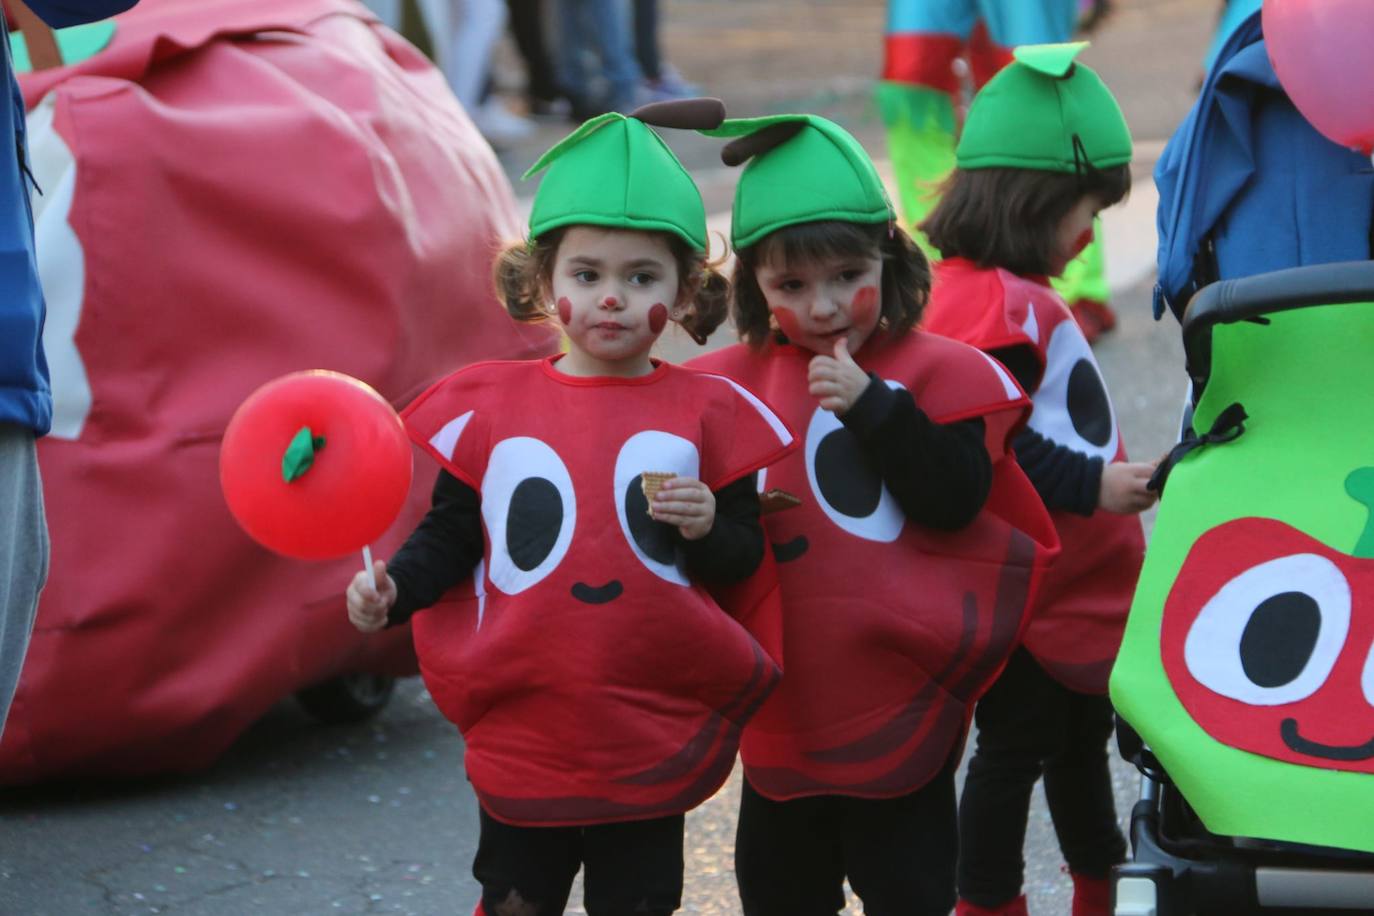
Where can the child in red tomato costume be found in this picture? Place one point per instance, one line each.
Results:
(599, 686)
(907, 568)
(1044, 149)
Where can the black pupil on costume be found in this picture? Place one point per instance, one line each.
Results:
(654, 538)
(1088, 408)
(846, 480)
(1279, 638)
(532, 526)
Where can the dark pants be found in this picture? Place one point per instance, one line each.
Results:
(646, 38)
(633, 867)
(527, 28)
(1030, 725)
(791, 858)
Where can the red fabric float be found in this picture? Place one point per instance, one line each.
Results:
(260, 186)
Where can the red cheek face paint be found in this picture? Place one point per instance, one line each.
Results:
(1083, 241)
(564, 310)
(864, 309)
(658, 317)
(788, 324)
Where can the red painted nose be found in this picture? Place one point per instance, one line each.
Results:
(611, 302)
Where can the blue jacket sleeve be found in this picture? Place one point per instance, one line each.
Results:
(61, 13)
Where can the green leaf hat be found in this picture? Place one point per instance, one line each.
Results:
(1045, 111)
(616, 171)
(801, 169)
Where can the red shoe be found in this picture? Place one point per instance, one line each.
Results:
(1015, 907)
(1091, 896)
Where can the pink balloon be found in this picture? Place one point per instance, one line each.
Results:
(1321, 51)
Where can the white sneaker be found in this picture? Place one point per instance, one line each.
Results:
(500, 126)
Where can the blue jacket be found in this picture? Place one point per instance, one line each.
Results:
(25, 397)
(1247, 185)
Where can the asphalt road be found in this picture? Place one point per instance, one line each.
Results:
(305, 819)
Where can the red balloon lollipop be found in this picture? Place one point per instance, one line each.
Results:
(1320, 52)
(315, 465)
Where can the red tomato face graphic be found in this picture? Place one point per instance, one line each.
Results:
(1267, 639)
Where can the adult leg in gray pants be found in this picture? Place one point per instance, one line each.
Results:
(23, 553)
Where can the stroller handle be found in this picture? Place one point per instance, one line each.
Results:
(1229, 301)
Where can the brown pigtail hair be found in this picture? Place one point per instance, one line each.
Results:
(521, 275)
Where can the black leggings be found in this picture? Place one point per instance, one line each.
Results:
(1031, 725)
(791, 858)
(633, 867)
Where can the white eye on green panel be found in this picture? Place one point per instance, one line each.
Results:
(1272, 634)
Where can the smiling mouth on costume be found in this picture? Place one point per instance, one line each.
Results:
(588, 594)
(1288, 730)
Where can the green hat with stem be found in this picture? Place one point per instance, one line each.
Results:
(801, 169)
(616, 171)
(1045, 111)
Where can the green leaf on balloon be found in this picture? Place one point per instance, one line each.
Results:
(300, 454)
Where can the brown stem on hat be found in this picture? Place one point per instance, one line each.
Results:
(739, 151)
(683, 114)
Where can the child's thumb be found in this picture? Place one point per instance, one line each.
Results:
(842, 350)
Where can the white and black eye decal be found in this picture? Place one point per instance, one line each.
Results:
(1367, 678)
(847, 487)
(1071, 406)
(530, 511)
(653, 542)
(1272, 634)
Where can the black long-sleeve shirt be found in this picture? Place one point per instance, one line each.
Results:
(448, 543)
(939, 474)
(1065, 478)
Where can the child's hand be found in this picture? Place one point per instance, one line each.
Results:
(688, 504)
(1123, 487)
(367, 604)
(837, 381)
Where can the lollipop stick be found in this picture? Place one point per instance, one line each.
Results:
(367, 566)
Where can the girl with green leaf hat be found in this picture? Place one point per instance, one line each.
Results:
(1045, 147)
(619, 636)
(905, 569)
(921, 99)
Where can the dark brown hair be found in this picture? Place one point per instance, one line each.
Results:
(1009, 218)
(906, 273)
(523, 274)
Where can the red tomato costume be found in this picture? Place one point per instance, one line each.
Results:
(891, 631)
(592, 680)
(1080, 612)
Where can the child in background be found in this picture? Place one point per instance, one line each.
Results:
(1044, 149)
(599, 687)
(906, 569)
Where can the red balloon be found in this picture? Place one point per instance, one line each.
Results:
(353, 490)
(1320, 50)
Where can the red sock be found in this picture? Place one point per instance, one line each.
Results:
(1091, 896)
(1015, 907)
